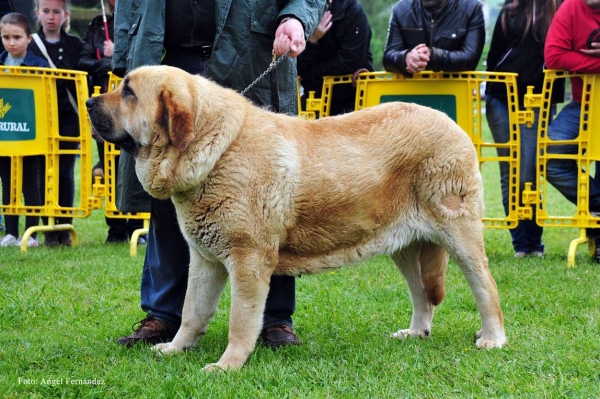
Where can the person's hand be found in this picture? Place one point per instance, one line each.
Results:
(594, 52)
(323, 27)
(289, 35)
(417, 58)
(108, 48)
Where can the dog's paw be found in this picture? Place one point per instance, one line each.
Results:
(485, 343)
(403, 334)
(489, 343)
(214, 368)
(166, 349)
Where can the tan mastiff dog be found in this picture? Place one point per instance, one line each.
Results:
(259, 193)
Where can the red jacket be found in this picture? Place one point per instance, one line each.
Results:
(574, 26)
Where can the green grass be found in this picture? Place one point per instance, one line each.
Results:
(61, 311)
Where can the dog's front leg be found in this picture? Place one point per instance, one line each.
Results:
(206, 282)
(250, 272)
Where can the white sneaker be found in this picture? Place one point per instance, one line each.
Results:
(9, 241)
(31, 242)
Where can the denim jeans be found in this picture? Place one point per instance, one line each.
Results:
(527, 236)
(563, 173)
(165, 272)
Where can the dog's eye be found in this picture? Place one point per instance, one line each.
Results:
(127, 92)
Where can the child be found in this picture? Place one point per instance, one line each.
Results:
(63, 50)
(15, 31)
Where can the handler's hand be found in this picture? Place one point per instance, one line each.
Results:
(289, 35)
(595, 52)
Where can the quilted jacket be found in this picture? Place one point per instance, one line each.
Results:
(455, 35)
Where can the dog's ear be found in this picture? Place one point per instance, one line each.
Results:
(178, 118)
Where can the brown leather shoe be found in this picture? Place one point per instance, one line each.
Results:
(279, 335)
(150, 331)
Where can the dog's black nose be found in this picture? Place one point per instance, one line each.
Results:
(90, 103)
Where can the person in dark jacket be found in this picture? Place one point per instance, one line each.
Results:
(339, 46)
(96, 60)
(518, 46)
(64, 50)
(16, 31)
(230, 41)
(435, 35)
(97, 49)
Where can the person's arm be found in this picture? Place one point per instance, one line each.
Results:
(559, 52)
(352, 53)
(290, 34)
(394, 54)
(498, 46)
(121, 42)
(467, 57)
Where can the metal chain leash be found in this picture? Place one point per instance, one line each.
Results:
(272, 65)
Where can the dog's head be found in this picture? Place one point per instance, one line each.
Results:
(149, 102)
(151, 115)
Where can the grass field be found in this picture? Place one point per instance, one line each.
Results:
(62, 309)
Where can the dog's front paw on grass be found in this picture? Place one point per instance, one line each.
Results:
(166, 349)
(214, 368)
(403, 334)
(489, 343)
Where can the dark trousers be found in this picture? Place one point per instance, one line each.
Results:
(119, 229)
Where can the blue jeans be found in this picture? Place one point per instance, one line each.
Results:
(165, 272)
(527, 236)
(563, 173)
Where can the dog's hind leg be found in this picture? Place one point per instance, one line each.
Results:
(206, 282)
(250, 272)
(465, 244)
(423, 266)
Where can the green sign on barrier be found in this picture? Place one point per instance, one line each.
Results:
(441, 102)
(17, 115)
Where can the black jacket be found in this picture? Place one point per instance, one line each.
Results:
(92, 59)
(455, 35)
(511, 52)
(344, 49)
(65, 55)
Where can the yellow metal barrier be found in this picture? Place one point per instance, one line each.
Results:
(107, 188)
(29, 126)
(456, 94)
(588, 143)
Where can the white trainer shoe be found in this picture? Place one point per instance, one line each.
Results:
(31, 242)
(9, 241)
